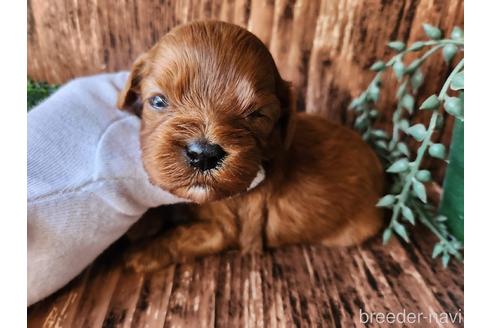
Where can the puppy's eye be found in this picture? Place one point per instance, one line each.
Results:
(256, 115)
(158, 102)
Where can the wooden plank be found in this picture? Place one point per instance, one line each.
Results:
(60, 309)
(123, 302)
(151, 307)
(300, 283)
(327, 278)
(261, 18)
(282, 26)
(292, 286)
(300, 48)
(253, 292)
(177, 299)
(273, 307)
(406, 281)
(96, 297)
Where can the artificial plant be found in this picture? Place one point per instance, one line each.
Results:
(407, 197)
(37, 91)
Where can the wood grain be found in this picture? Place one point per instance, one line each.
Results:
(298, 286)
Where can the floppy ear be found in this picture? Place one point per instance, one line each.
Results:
(129, 98)
(287, 119)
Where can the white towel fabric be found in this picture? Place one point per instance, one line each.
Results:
(86, 183)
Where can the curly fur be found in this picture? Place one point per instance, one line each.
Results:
(222, 84)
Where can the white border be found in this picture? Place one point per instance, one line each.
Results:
(478, 165)
(478, 101)
(13, 142)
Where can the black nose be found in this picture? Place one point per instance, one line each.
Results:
(203, 155)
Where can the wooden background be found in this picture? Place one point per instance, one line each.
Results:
(324, 47)
(327, 287)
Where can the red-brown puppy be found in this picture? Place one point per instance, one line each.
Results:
(214, 109)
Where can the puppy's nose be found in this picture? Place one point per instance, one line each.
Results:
(204, 155)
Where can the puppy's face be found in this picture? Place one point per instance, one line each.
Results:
(213, 109)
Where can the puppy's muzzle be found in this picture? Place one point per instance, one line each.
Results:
(204, 155)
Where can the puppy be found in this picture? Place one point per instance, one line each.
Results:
(214, 112)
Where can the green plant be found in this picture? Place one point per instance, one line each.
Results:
(37, 91)
(408, 196)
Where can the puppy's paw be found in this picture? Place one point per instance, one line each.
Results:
(146, 259)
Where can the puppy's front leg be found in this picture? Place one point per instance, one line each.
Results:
(183, 243)
(252, 218)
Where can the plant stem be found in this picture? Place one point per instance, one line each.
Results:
(429, 53)
(438, 44)
(446, 84)
(395, 136)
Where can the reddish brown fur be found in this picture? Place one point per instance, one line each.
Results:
(322, 181)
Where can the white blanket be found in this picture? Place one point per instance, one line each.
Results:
(86, 182)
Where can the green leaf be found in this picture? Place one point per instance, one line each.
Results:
(417, 131)
(423, 175)
(361, 121)
(360, 109)
(457, 244)
(417, 80)
(395, 153)
(454, 106)
(449, 51)
(400, 165)
(432, 32)
(403, 124)
(381, 144)
(378, 66)
(457, 33)
(357, 101)
(441, 218)
(438, 249)
(439, 121)
(403, 148)
(399, 69)
(386, 201)
(401, 231)
(416, 46)
(438, 151)
(37, 92)
(445, 260)
(374, 113)
(407, 214)
(408, 103)
(458, 81)
(379, 133)
(461, 96)
(431, 102)
(398, 46)
(387, 234)
(419, 190)
(373, 92)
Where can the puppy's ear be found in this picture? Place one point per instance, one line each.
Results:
(288, 115)
(130, 98)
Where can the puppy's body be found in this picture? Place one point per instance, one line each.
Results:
(322, 181)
